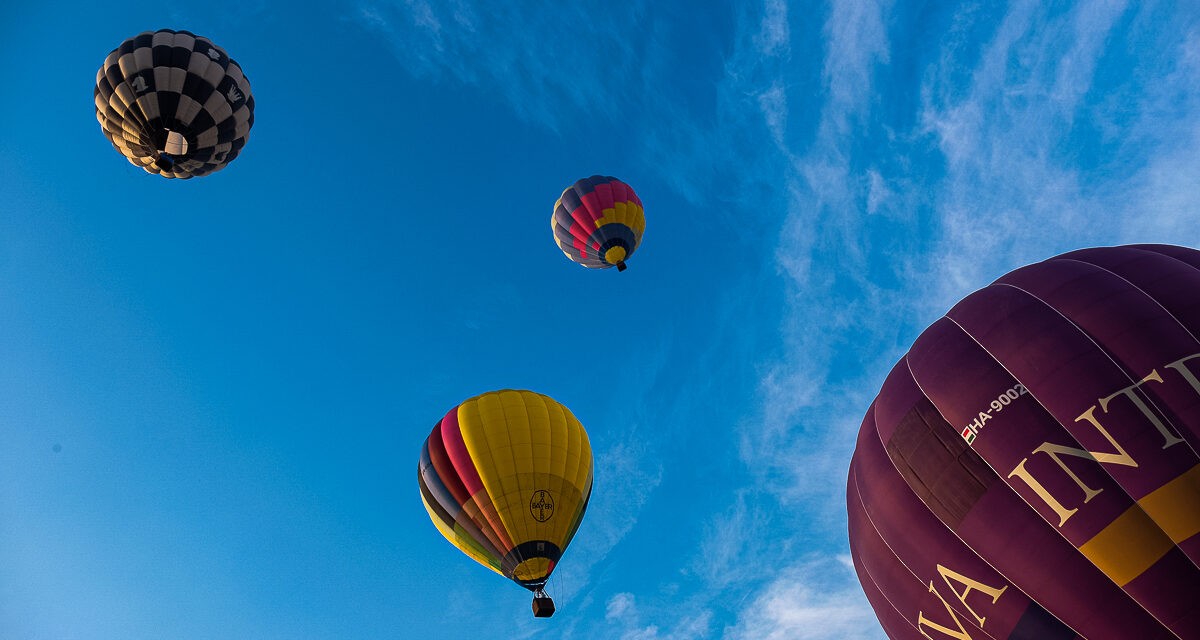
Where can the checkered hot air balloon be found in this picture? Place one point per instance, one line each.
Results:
(174, 103)
(598, 222)
(506, 477)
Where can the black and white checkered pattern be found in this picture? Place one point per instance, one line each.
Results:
(160, 82)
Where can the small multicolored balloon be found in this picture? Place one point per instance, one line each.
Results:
(598, 222)
(174, 103)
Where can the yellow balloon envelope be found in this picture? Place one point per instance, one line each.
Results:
(506, 477)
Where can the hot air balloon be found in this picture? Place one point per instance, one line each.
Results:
(506, 477)
(1029, 469)
(174, 103)
(598, 222)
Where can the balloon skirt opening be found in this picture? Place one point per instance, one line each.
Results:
(176, 144)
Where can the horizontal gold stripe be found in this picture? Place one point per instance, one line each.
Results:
(1129, 545)
(1175, 506)
(1142, 535)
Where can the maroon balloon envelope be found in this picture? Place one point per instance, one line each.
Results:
(1029, 469)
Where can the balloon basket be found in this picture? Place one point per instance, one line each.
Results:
(543, 606)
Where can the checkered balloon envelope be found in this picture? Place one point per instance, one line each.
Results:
(174, 103)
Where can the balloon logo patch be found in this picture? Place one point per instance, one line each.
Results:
(541, 505)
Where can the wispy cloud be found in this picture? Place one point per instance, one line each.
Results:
(812, 193)
(1166, 191)
(858, 43)
(543, 60)
(630, 475)
(728, 540)
(827, 197)
(1166, 209)
(1002, 139)
(1046, 150)
(625, 618)
(817, 598)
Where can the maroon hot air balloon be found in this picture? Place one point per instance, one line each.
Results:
(1029, 468)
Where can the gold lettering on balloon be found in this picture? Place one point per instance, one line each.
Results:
(1063, 513)
(949, 574)
(923, 622)
(1120, 456)
(1180, 366)
(1056, 451)
(1171, 439)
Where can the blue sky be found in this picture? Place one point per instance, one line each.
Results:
(213, 393)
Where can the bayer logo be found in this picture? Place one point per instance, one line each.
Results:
(541, 505)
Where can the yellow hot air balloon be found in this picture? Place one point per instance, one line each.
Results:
(506, 477)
